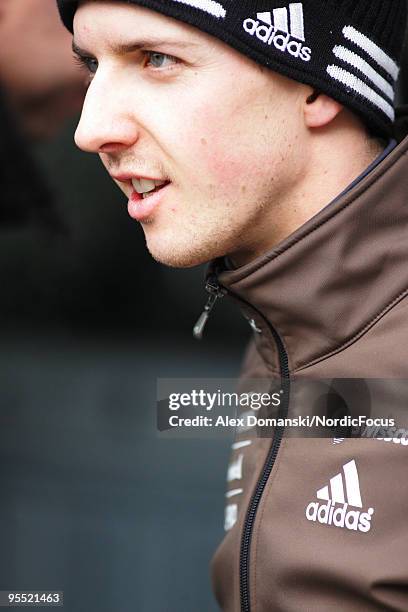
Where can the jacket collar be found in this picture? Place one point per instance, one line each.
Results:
(333, 278)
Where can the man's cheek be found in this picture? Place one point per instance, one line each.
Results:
(230, 156)
(220, 158)
(221, 161)
(233, 176)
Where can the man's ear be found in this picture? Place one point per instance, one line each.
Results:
(320, 110)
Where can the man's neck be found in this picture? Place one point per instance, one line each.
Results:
(335, 159)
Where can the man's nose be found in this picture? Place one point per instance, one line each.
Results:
(106, 125)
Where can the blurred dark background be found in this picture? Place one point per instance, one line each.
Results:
(94, 502)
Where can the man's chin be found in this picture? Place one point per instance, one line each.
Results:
(177, 257)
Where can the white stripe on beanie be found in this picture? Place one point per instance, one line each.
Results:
(351, 81)
(360, 64)
(209, 6)
(373, 50)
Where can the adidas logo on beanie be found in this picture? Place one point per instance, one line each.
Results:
(348, 49)
(284, 28)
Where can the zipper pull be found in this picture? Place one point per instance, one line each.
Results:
(216, 293)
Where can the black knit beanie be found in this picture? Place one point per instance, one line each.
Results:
(348, 49)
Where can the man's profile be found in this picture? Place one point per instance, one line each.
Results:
(261, 137)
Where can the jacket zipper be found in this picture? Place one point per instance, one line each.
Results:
(216, 292)
(266, 471)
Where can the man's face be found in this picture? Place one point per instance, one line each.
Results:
(37, 70)
(195, 112)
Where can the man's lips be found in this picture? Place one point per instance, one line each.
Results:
(140, 208)
(127, 178)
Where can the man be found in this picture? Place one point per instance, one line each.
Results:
(40, 87)
(263, 133)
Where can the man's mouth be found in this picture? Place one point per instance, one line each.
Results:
(146, 187)
(142, 206)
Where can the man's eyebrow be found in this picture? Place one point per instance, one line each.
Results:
(147, 43)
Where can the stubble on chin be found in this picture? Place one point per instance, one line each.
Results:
(223, 227)
(179, 258)
(186, 249)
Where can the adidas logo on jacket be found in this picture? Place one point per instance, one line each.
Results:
(341, 515)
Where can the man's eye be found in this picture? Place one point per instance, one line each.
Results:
(158, 60)
(89, 63)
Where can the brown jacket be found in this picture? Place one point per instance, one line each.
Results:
(328, 302)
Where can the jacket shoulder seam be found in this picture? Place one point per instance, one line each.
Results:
(400, 297)
(371, 179)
